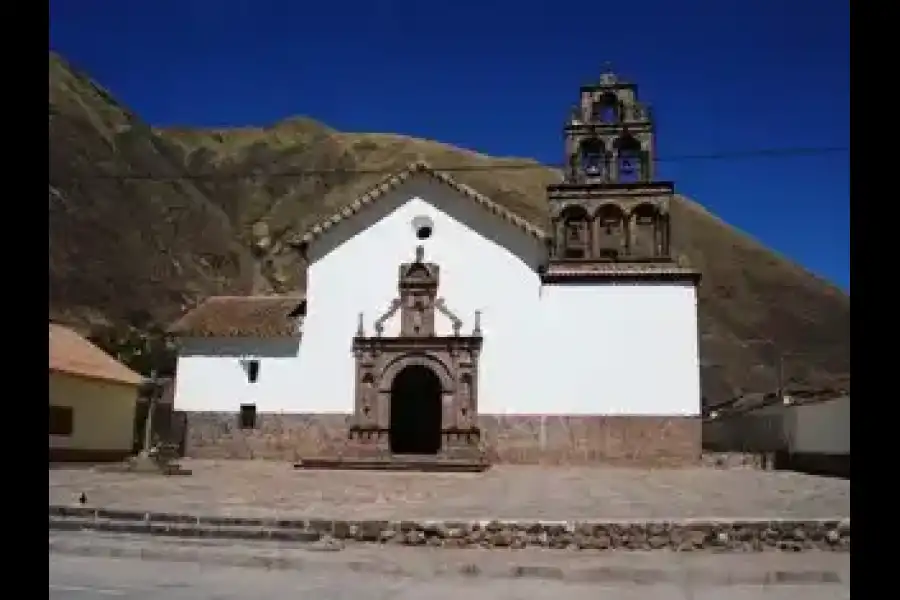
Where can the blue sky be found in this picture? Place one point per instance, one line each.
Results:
(724, 76)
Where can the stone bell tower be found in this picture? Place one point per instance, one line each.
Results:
(609, 211)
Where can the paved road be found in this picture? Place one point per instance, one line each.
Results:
(80, 578)
(172, 570)
(266, 488)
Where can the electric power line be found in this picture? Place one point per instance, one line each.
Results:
(512, 166)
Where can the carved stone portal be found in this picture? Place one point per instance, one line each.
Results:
(417, 393)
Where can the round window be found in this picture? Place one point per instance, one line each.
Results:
(423, 227)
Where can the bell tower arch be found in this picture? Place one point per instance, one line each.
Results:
(609, 213)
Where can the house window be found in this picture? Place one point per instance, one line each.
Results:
(248, 416)
(251, 367)
(61, 420)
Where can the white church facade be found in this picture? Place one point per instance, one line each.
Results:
(437, 323)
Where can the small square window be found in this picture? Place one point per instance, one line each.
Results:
(248, 416)
(61, 420)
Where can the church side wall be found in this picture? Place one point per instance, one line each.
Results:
(211, 377)
(627, 349)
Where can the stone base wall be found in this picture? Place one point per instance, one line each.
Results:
(514, 439)
(739, 460)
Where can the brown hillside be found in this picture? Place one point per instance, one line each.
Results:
(126, 249)
(254, 183)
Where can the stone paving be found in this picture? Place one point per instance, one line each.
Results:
(265, 489)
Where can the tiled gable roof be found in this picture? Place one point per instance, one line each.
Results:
(242, 316)
(417, 169)
(71, 353)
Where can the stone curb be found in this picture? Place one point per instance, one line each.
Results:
(735, 535)
(186, 530)
(600, 575)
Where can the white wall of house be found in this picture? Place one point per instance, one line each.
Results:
(820, 427)
(759, 430)
(609, 349)
(811, 428)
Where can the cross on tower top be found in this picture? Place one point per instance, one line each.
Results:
(607, 76)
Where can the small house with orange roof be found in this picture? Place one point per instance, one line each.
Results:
(92, 400)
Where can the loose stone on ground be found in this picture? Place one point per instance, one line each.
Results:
(633, 567)
(681, 535)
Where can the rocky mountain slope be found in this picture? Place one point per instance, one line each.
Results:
(187, 224)
(126, 249)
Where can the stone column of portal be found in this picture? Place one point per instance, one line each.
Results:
(448, 422)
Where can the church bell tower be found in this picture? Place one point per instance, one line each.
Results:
(610, 212)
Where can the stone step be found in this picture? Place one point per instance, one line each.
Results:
(423, 463)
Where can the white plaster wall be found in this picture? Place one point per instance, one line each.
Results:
(210, 376)
(820, 428)
(478, 254)
(618, 349)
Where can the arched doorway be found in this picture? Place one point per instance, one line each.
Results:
(415, 423)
